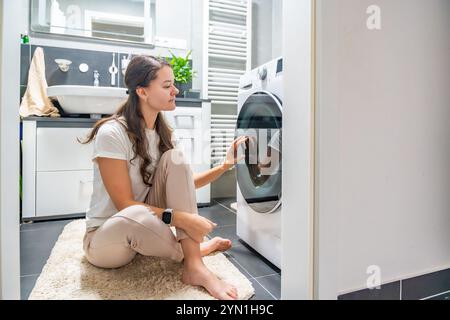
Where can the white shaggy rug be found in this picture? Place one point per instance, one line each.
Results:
(68, 275)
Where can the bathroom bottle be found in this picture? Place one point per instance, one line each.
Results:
(96, 75)
(25, 38)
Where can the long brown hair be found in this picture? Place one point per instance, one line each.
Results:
(140, 72)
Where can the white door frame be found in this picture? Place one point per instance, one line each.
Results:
(297, 276)
(11, 14)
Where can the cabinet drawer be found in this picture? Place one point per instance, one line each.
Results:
(63, 192)
(185, 118)
(58, 149)
(193, 145)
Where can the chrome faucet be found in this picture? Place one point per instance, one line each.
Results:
(96, 81)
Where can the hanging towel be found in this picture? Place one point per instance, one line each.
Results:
(35, 100)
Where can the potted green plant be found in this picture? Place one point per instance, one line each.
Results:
(182, 71)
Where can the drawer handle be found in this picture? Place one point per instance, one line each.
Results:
(177, 122)
(185, 115)
(181, 139)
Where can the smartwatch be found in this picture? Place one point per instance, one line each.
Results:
(167, 216)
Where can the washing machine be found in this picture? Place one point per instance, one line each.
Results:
(259, 171)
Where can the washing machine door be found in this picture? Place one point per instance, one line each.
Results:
(259, 174)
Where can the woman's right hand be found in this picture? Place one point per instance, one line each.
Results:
(197, 227)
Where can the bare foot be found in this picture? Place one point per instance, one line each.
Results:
(215, 244)
(199, 275)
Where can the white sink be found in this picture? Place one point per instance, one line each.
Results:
(88, 100)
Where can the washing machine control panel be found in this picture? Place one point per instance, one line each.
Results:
(280, 65)
(262, 77)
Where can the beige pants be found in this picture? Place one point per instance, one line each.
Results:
(137, 229)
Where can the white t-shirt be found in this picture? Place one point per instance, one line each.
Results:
(113, 142)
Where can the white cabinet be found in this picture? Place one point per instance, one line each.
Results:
(57, 170)
(63, 192)
(58, 149)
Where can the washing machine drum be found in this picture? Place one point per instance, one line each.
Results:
(259, 174)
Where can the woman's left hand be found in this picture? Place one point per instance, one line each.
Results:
(232, 153)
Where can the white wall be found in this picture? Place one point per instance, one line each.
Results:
(267, 43)
(261, 32)
(173, 19)
(384, 147)
(277, 28)
(1, 87)
(11, 14)
(197, 42)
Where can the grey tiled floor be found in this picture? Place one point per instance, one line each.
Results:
(37, 240)
(265, 277)
(36, 243)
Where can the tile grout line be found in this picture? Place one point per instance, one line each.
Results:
(438, 294)
(40, 229)
(251, 276)
(234, 212)
(224, 206)
(227, 225)
(265, 288)
(269, 275)
(30, 275)
(255, 279)
(34, 230)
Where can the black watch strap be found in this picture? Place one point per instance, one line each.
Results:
(167, 216)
